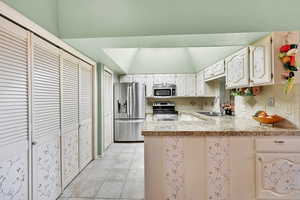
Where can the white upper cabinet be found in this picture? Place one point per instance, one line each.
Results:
(190, 84)
(200, 84)
(149, 79)
(260, 62)
(126, 79)
(186, 84)
(204, 89)
(164, 78)
(237, 69)
(214, 71)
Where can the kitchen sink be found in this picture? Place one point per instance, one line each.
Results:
(210, 113)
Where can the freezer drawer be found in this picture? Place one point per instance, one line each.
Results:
(128, 130)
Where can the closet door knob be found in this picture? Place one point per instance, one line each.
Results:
(34, 143)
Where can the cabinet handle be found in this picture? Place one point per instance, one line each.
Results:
(259, 158)
(251, 81)
(33, 143)
(279, 142)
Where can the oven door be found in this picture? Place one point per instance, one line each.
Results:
(162, 92)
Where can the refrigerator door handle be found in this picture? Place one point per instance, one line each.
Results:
(128, 101)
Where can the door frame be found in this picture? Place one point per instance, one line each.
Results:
(108, 70)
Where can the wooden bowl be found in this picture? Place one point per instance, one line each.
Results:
(269, 119)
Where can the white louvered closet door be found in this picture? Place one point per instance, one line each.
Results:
(85, 115)
(45, 120)
(14, 116)
(70, 118)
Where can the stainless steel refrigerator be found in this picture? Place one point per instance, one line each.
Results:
(129, 111)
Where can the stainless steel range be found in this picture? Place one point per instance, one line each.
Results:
(164, 111)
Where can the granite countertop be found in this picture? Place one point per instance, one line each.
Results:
(214, 126)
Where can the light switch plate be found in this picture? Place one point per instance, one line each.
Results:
(271, 102)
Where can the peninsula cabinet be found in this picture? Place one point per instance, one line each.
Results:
(278, 168)
(222, 167)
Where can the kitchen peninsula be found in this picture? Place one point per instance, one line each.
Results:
(218, 158)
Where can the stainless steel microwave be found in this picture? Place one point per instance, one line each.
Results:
(164, 90)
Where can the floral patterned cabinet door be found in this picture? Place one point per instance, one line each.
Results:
(260, 62)
(174, 168)
(237, 69)
(278, 176)
(218, 172)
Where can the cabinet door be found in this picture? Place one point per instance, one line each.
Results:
(237, 69)
(208, 73)
(260, 62)
(126, 79)
(14, 106)
(200, 84)
(46, 120)
(70, 118)
(278, 176)
(180, 84)
(85, 115)
(219, 69)
(149, 85)
(190, 85)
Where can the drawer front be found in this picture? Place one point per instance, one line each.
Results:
(278, 144)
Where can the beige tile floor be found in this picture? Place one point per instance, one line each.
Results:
(119, 175)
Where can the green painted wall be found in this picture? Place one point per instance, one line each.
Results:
(161, 60)
(42, 12)
(100, 69)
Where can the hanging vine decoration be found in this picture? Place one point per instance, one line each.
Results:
(287, 56)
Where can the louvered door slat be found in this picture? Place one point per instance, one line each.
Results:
(13, 111)
(12, 77)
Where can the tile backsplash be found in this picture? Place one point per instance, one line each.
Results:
(186, 104)
(287, 106)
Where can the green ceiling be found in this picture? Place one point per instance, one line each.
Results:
(118, 18)
(95, 27)
(42, 12)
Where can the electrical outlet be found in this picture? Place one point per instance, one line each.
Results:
(271, 102)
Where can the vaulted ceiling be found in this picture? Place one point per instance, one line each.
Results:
(95, 27)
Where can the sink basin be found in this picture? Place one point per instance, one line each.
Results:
(210, 113)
